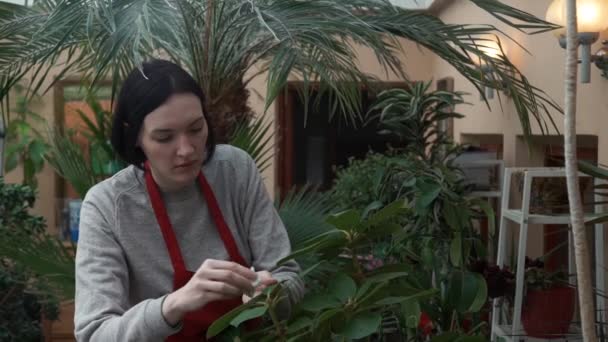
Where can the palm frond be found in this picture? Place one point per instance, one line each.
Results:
(45, 256)
(227, 43)
(69, 161)
(255, 137)
(304, 212)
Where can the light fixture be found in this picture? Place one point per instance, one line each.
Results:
(493, 50)
(591, 16)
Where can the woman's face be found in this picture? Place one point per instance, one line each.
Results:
(173, 138)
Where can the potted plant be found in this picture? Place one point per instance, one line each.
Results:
(549, 299)
(549, 303)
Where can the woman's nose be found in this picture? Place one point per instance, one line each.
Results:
(184, 147)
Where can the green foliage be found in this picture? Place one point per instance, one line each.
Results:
(22, 295)
(227, 43)
(350, 304)
(415, 115)
(364, 181)
(355, 301)
(25, 145)
(541, 279)
(255, 137)
(83, 168)
(15, 202)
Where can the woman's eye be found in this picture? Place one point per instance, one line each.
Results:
(196, 130)
(163, 139)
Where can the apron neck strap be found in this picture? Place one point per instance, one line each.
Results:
(164, 222)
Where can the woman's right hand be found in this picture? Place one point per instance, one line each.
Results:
(214, 280)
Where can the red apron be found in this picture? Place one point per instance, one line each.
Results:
(195, 323)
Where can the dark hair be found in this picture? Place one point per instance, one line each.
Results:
(144, 90)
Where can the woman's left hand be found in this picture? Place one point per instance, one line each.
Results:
(266, 280)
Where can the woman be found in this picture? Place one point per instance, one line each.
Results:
(166, 244)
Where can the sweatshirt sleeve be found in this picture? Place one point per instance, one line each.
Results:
(102, 308)
(267, 235)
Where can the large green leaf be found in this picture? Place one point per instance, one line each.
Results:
(427, 194)
(226, 320)
(248, 314)
(456, 250)
(342, 287)
(362, 325)
(388, 213)
(318, 302)
(347, 220)
(467, 291)
(411, 311)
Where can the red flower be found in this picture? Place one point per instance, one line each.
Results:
(466, 325)
(425, 324)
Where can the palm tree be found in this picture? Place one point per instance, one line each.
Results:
(583, 265)
(228, 43)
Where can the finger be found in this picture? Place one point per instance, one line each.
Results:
(218, 288)
(228, 276)
(233, 266)
(266, 278)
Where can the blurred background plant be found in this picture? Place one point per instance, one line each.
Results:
(25, 144)
(25, 296)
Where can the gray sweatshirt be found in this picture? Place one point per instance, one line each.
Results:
(123, 270)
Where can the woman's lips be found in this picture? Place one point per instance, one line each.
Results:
(185, 165)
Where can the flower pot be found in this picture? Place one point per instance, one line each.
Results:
(548, 313)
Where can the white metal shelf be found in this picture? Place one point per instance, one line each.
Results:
(517, 216)
(486, 194)
(524, 218)
(505, 331)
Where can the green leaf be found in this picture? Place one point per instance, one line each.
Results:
(489, 211)
(318, 302)
(225, 321)
(391, 297)
(299, 324)
(347, 220)
(248, 314)
(427, 194)
(385, 276)
(383, 230)
(428, 257)
(411, 311)
(471, 339)
(342, 287)
(12, 160)
(467, 291)
(445, 337)
(456, 250)
(450, 216)
(482, 292)
(362, 325)
(328, 239)
(328, 315)
(375, 205)
(388, 213)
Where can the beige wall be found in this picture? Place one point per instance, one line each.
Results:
(544, 66)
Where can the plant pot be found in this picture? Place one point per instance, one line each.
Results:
(548, 313)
